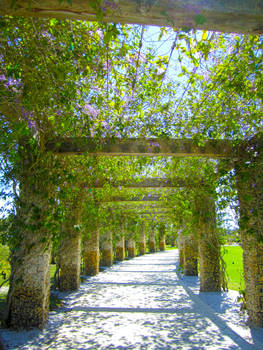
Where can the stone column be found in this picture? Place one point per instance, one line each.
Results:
(69, 254)
(106, 249)
(28, 296)
(190, 255)
(120, 249)
(209, 245)
(142, 240)
(181, 248)
(152, 241)
(131, 247)
(162, 237)
(249, 176)
(91, 254)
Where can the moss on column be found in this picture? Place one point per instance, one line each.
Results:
(142, 241)
(28, 296)
(131, 247)
(120, 249)
(106, 249)
(209, 245)
(91, 254)
(181, 249)
(70, 248)
(152, 241)
(249, 175)
(162, 237)
(190, 255)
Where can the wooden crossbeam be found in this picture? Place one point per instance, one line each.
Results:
(140, 198)
(238, 16)
(146, 183)
(141, 147)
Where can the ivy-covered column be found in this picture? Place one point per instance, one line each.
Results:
(209, 244)
(152, 240)
(249, 177)
(131, 247)
(106, 249)
(70, 248)
(91, 253)
(162, 237)
(190, 255)
(28, 296)
(181, 248)
(142, 240)
(120, 249)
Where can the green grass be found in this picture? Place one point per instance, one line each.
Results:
(234, 266)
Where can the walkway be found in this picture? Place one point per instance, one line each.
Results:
(142, 303)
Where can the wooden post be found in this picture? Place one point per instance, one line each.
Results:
(209, 245)
(190, 255)
(142, 240)
(106, 249)
(91, 254)
(249, 175)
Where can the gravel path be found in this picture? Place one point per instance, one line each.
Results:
(143, 303)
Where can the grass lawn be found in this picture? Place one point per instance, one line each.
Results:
(234, 266)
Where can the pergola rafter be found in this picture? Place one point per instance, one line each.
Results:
(242, 16)
(141, 147)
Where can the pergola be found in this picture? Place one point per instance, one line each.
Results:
(241, 16)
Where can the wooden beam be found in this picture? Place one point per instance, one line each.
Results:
(238, 16)
(141, 147)
(135, 205)
(145, 183)
(137, 199)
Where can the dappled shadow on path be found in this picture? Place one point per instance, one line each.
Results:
(133, 306)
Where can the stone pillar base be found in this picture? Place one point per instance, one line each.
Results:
(162, 245)
(91, 262)
(152, 247)
(209, 264)
(119, 253)
(190, 256)
(131, 252)
(106, 257)
(142, 248)
(253, 274)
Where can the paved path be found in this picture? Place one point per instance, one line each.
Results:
(143, 303)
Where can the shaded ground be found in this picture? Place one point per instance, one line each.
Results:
(142, 303)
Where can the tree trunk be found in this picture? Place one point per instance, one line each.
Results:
(91, 254)
(249, 174)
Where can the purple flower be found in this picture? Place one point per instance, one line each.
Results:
(2, 77)
(88, 109)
